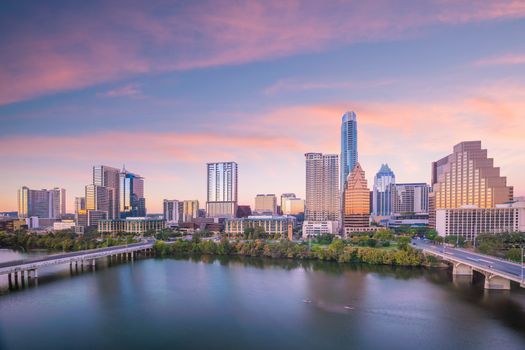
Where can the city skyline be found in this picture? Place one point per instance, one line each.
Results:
(419, 81)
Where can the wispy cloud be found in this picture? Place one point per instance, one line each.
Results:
(509, 59)
(294, 85)
(127, 90)
(104, 42)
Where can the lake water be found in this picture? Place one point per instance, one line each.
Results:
(249, 303)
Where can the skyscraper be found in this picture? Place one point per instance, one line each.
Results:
(221, 190)
(100, 198)
(322, 187)
(171, 211)
(382, 196)
(348, 145)
(356, 202)
(467, 177)
(285, 196)
(410, 198)
(48, 204)
(107, 176)
(132, 201)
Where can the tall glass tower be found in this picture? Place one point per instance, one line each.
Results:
(348, 146)
(132, 201)
(382, 196)
(222, 190)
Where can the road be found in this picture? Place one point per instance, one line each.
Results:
(474, 259)
(72, 254)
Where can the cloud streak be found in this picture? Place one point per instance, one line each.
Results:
(103, 42)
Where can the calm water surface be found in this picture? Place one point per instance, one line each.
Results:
(248, 303)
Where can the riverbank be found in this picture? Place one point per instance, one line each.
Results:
(339, 251)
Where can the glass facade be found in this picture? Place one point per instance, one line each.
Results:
(382, 196)
(356, 200)
(132, 201)
(348, 145)
(222, 189)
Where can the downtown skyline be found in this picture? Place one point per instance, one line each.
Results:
(417, 90)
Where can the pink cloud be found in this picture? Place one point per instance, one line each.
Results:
(113, 43)
(510, 59)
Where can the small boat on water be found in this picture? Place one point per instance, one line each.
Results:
(349, 307)
(307, 301)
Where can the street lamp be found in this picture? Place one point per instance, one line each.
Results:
(521, 264)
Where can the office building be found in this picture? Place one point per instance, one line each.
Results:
(190, 210)
(356, 199)
(316, 228)
(470, 221)
(322, 187)
(106, 176)
(48, 204)
(63, 225)
(265, 204)
(293, 206)
(284, 197)
(100, 198)
(407, 219)
(348, 145)
(467, 177)
(171, 212)
(221, 190)
(273, 225)
(131, 193)
(382, 191)
(243, 211)
(131, 225)
(410, 198)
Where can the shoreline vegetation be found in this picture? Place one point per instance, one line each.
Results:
(342, 251)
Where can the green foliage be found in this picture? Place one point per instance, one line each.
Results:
(338, 250)
(514, 254)
(500, 244)
(325, 239)
(403, 242)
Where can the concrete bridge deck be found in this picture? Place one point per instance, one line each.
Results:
(498, 273)
(30, 266)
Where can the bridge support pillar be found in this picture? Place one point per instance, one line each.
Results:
(132, 256)
(9, 280)
(93, 263)
(462, 270)
(496, 282)
(36, 273)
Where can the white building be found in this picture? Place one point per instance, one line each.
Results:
(470, 221)
(222, 190)
(292, 206)
(316, 228)
(272, 225)
(64, 225)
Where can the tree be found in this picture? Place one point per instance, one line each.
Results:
(514, 254)
(432, 234)
(403, 242)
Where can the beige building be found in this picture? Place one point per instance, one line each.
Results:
(131, 225)
(272, 225)
(316, 228)
(356, 199)
(467, 177)
(292, 206)
(470, 221)
(322, 187)
(265, 204)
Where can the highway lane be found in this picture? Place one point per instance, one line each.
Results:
(146, 244)
(475, 259)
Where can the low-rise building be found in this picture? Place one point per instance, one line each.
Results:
(134, 225)
(408, 220)
(470, 221)
(64, 225)
(272, 225)
(349, 231)
(316, 228)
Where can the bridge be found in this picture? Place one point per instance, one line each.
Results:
(498, 272)
(28, 268)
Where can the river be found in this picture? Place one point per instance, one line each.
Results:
(251, 303)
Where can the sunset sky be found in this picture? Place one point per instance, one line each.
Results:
(165, 86)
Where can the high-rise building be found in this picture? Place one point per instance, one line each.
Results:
(382, 192)
(467, 177)
(107, 176)
(80, 203)
(265, 204)
(322, 187)
(221, 190)
(348, 145)
(356, 200)
(293, 206)
(190, 210)
(132, 201)
(410, 198)
(171, 211)
(100, 198)
(45, 204)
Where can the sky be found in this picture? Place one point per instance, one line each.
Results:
(163, 87)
